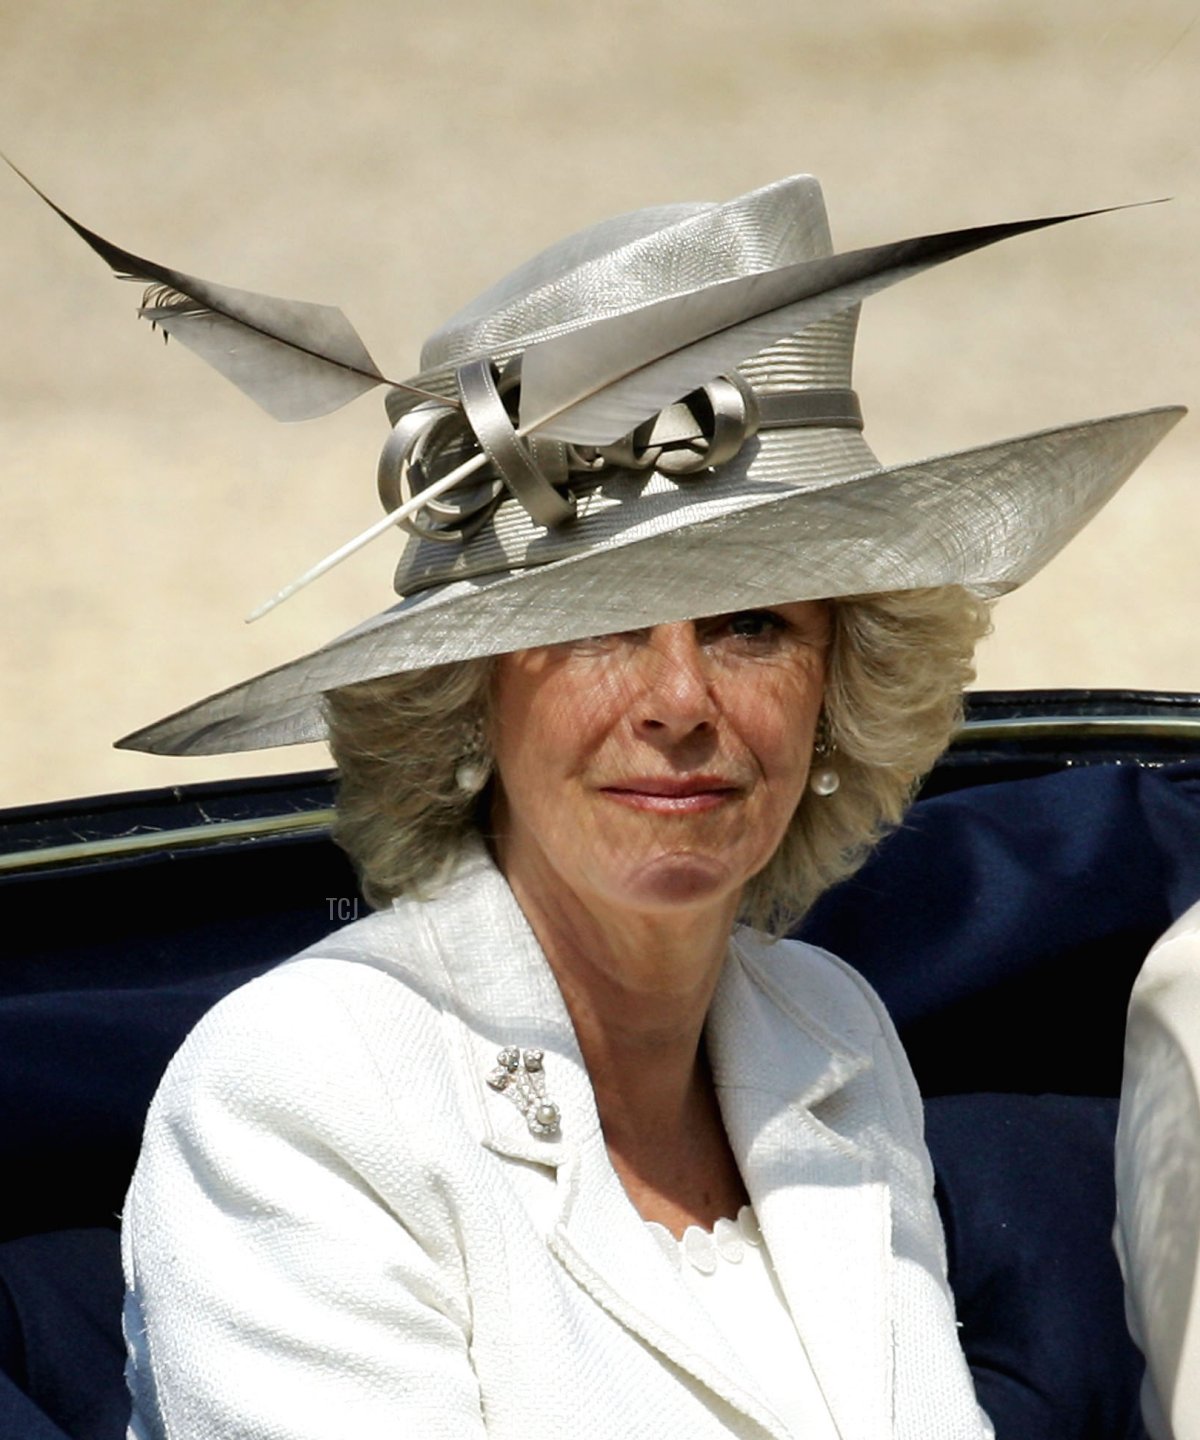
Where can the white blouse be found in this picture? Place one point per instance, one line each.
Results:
(729, 1273)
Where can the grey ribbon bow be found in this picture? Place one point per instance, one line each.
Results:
(703, 430)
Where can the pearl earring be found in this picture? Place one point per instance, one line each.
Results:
(823, 778)
(474, 768)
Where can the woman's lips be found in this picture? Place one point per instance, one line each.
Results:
(688, 796)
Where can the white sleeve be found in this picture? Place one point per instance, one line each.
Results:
(272, 1294)
(1158, 1179)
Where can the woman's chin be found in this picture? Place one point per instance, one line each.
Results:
(680, 881)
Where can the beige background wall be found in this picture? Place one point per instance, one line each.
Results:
(393, 158)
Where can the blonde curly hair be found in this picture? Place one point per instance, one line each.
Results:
(898, 665)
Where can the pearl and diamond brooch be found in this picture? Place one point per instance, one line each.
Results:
(519, 1075)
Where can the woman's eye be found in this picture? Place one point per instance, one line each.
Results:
(755, 624)
(743, 631)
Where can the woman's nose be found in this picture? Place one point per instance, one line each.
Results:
(675, 697)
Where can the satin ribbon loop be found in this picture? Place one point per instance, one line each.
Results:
(517, 462)
(726, 415)
(634, 451)
(425, 442)
(430, 439)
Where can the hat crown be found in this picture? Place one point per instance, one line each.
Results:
(636, 259)
(615, 267)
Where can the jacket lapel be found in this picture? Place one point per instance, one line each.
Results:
(823, 1207)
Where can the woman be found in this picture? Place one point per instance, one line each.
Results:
(551, 1144)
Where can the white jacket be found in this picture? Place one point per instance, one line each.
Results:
(338, 1231)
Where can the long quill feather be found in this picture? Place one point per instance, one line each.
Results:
(595, 384)
(295, 359)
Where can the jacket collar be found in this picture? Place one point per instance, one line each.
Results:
(823, 1212)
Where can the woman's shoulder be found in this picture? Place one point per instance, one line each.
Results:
(815, 983)
(304, 1097)
(388, 999)
(828, 998)
(366, 995)
(383, 957)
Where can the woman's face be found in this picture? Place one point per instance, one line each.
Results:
(657, 769)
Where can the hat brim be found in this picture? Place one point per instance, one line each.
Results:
(987, 518)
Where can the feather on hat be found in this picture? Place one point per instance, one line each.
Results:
(650, 421)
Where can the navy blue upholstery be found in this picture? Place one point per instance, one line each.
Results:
(60, 1337)
(1025, 1187)
(1003, 926)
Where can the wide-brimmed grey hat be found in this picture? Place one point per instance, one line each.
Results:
(651, 421)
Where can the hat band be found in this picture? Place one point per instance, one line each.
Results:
(692, 436)
(823, 409)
